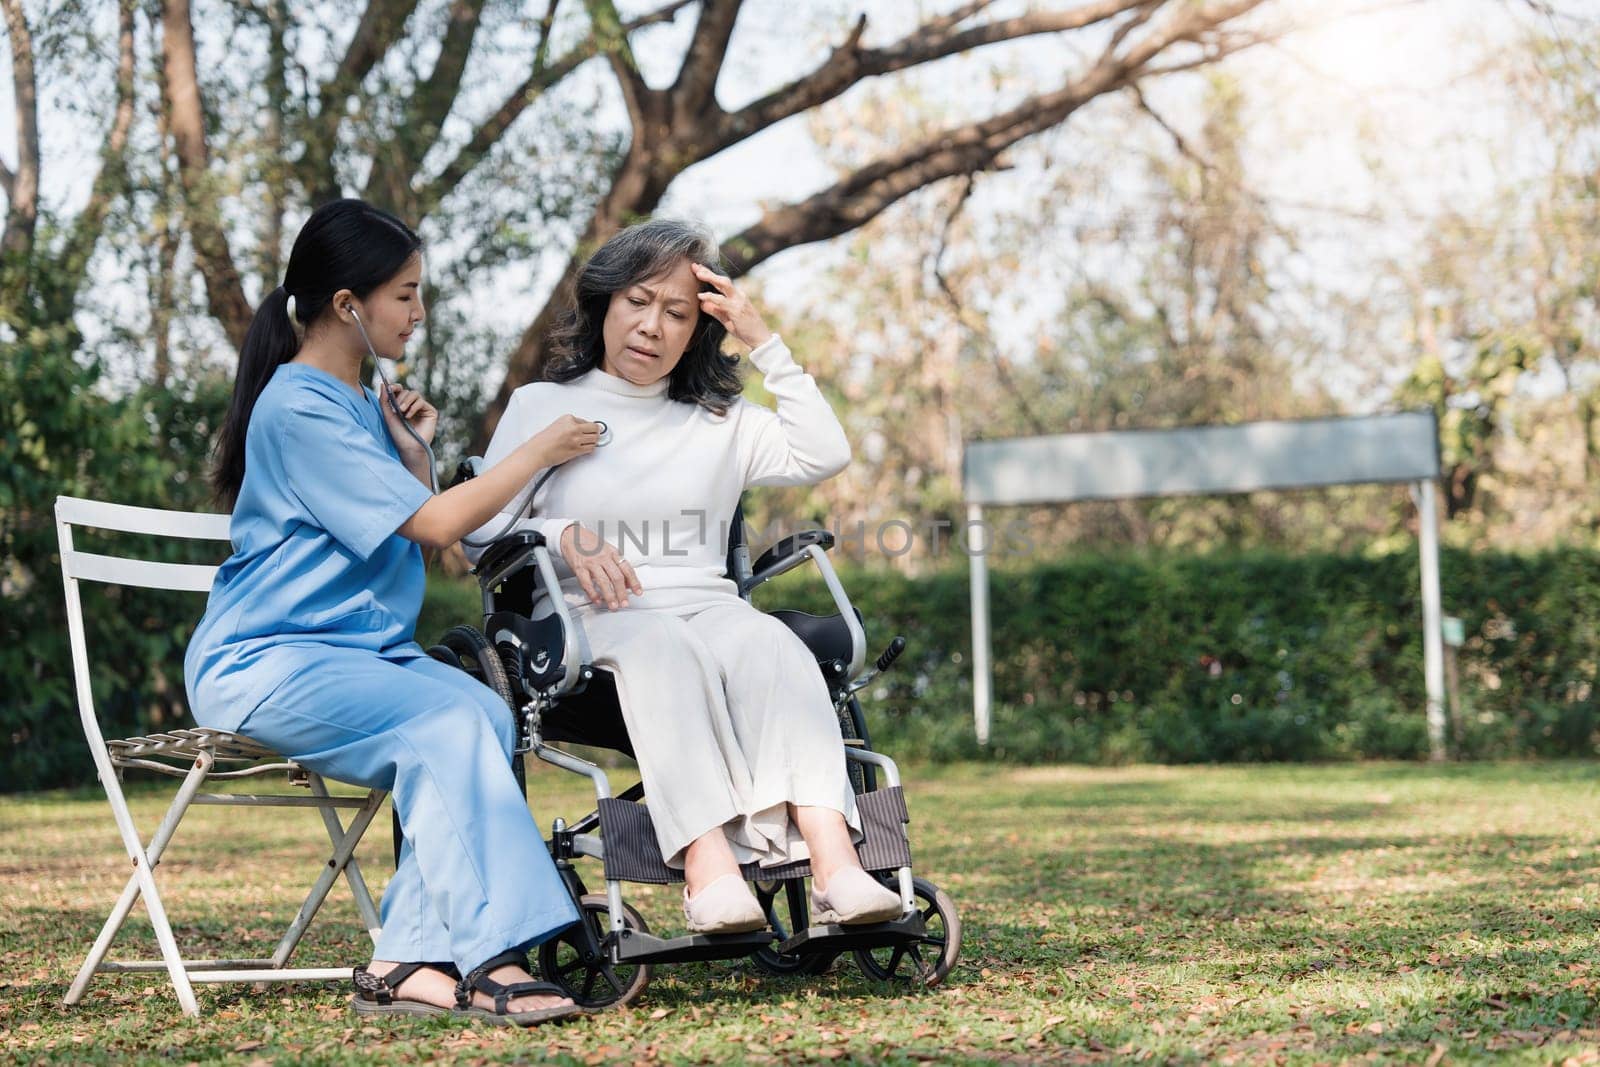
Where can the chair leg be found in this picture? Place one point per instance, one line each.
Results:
(352, 870)
(143, 883)
(343, 859)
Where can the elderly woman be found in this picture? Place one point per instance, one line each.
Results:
(730, 719)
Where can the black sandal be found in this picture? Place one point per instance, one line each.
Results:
(379, 995)
(477, 980)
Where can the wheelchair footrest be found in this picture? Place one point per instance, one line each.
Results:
(632, 946)
(632, 853)
(839, 938)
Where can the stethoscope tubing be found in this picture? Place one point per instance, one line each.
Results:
(433, 477)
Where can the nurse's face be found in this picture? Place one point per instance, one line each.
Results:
(649, 324)
(393, 311)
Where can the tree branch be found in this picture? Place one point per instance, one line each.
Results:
(862, 195)
(541, 52)
(380, 27)
(22, 187)
(186, 120)
(695, 90)
(431, 101)
(611, 37)
(1179, 141)
(112, 177)
(540, 78)
(653, 161)
(937, 39)
(973, 322)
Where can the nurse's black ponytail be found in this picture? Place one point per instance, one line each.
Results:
(347, 244)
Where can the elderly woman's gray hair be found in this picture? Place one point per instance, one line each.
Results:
(704, 375)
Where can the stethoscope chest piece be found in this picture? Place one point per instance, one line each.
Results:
(605, 434)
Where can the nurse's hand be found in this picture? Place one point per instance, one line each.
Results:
(421, 415)
(605, 576)
(568, 437)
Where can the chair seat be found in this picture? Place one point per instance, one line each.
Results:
(174, 753)
(190, 743)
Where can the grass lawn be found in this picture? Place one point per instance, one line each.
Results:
(1404, 913)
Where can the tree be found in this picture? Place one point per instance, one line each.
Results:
(1503, 306)
(62, 432)
(1190, 320)
(44, 262)
(418, 140)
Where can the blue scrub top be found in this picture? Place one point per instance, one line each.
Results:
(316, 562)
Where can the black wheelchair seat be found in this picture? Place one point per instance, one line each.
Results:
(592, 717)
(826, 636)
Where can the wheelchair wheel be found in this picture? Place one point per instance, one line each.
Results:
(788, 907)
(853, 727)
(467, 648)
(573, 959)
(925, 962)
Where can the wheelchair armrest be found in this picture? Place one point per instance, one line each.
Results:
(508, 557)
(508, 554)
(786, 555)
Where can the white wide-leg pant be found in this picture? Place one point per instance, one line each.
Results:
(730, 721)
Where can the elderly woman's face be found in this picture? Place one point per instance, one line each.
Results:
(648, 325)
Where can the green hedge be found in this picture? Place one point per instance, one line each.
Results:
(1225, 657)
(1239, 657)
(60, 435)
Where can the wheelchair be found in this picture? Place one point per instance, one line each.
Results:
(605, 959)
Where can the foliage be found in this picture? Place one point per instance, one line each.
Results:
(1502, 325)
(63, 436)
(991, 310)
(1225, 657)
(1296, 915)
(1258, 656)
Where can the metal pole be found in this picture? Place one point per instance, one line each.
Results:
(1432, 638)
(982, 675)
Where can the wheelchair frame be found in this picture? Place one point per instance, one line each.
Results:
(626, 940)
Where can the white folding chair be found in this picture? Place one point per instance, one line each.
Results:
(196, 756)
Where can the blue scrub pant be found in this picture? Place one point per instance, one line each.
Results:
(474, 879)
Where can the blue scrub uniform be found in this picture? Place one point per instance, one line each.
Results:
(306, 646)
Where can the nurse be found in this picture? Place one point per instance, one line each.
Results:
(306, 645)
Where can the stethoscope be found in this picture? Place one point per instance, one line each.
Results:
(433, 477)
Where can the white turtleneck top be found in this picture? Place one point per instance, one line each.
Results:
(664, 487)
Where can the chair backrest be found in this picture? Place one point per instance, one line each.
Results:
(79, 566)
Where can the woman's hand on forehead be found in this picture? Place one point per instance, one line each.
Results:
(729, 306)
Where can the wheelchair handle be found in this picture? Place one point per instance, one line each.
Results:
(885, 661)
